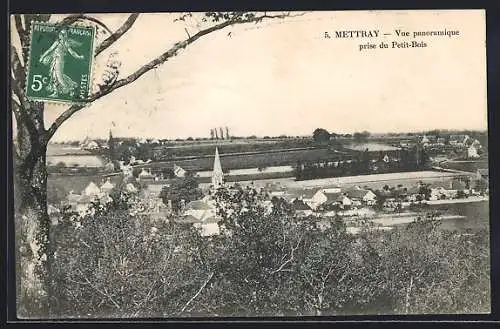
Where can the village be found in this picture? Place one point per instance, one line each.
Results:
(383, 199)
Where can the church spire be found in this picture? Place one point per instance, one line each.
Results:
(217, 175)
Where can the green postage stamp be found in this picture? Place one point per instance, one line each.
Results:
(60, 63)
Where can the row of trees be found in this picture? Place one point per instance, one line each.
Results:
(265, 263)
(362, 164)
(321, 135)
(220, 134)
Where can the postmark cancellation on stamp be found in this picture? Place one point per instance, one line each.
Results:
(60, 63)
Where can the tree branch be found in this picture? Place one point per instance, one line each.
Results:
(23, 36)
(117, 35)
(289, 260)
(238, 19)
(199, 291)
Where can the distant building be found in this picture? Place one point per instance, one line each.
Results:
(425, 141)
(202, 215)
(361, 196)
(302, 208)
(472, 152)
(107, 187)
(91, 190)
(331, 197)
(322, 196)
(179, 172)
(482, 174)
(130, 188)
(145, 174)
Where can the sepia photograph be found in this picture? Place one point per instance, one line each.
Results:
(250, 164)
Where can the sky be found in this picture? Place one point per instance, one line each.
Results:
(285, 77)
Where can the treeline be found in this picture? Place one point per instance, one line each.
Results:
(408, 160)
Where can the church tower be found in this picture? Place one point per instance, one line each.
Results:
(217, 175)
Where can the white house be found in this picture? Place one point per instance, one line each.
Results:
(425, 141)
(202, 214)
(362, 196)
(92, 190)
(179, 172)
(145, 174)
(199, 209)
(107, 187)
(321, 196)
(472, 152)
(130, 188)
(441, 192)
(326, 198)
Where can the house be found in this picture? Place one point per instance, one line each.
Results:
(130, 188)
(107, 187)
(321, 197)
(202, 215)
(200, 209)
(145, 174)
(92, 145)
(360, 196)
(91, 190)
(336, 200)
(440, 192)
(482, 174)
(472, 152)
(179, 172)
(302, 208)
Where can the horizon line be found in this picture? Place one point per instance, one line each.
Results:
(483, 130)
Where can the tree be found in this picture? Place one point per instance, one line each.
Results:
(182, 188)
(32, 137)
(212, 134)
(321, 135)
(361, 136)
(221, 133)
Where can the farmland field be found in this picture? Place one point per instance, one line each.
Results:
(255, 160)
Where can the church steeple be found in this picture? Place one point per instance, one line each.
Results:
(217, 175)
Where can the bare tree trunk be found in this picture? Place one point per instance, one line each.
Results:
(31, 217)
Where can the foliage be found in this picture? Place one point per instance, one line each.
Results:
(321, 135)
(266, 261)
(361, 136)
(181, 188)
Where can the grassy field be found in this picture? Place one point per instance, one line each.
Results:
(274, 158)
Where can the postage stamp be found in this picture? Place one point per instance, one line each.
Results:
(60, 63)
